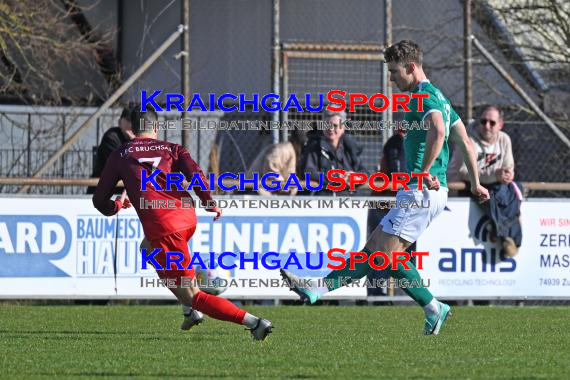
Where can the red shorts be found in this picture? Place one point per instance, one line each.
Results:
(176, 242)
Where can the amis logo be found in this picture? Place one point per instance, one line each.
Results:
(490, 258)
(29, 243)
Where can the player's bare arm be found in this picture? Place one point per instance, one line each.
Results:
(124, 200)
(458, 136)
(218, 212)
(434, 143)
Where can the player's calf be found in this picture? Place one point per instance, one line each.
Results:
(224, 310)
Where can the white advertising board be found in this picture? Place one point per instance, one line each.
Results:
(464, 262)
(63, 248)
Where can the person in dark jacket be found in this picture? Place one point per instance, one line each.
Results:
(112, 139)
(331, 149)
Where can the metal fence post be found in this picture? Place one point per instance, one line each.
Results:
(276, 65)
(467, 62)
(186, 68)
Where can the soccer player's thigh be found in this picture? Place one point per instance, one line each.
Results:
(387, 243)
(383, 241)
(402, 225)
(175, 242)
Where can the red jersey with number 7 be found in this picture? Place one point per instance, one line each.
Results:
(127, 163)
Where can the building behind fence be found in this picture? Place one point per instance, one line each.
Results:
(323, 46)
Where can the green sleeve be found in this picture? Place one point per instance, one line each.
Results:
(430, 104)
(454, 117)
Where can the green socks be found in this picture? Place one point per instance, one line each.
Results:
(414, 289)
(360, 270)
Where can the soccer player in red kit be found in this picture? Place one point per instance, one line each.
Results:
(168, 229)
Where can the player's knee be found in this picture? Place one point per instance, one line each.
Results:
(194, 291)
(189, 287)
(382, 260)
(392, 256)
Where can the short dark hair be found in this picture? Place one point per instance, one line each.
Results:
(128, 111)
(496, 108)
(404, 52)
(126, 114)
(138, 116)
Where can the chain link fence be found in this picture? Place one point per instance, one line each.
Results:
(35, 134)
(336, 45)
(235, 56)
(540, 155)
(314, 72)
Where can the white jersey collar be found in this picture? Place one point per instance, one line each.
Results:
(419, 86)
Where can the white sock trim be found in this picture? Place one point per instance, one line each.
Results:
(431, 308)
(320, 286)
(249, 320)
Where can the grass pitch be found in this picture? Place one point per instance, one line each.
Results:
(307, 342)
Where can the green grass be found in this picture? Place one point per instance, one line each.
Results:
(308, 342)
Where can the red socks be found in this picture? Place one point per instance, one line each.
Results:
(218, 308)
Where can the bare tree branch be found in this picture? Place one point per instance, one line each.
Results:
(40, 48)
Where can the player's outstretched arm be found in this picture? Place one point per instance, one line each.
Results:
(105, 187)
(458, 136)
(434, 143)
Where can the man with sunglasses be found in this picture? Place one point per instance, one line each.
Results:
(496, 167)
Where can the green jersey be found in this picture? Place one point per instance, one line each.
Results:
(415, 140)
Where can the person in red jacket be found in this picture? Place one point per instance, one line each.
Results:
(167, 229)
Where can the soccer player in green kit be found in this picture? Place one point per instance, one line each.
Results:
(426, 151)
